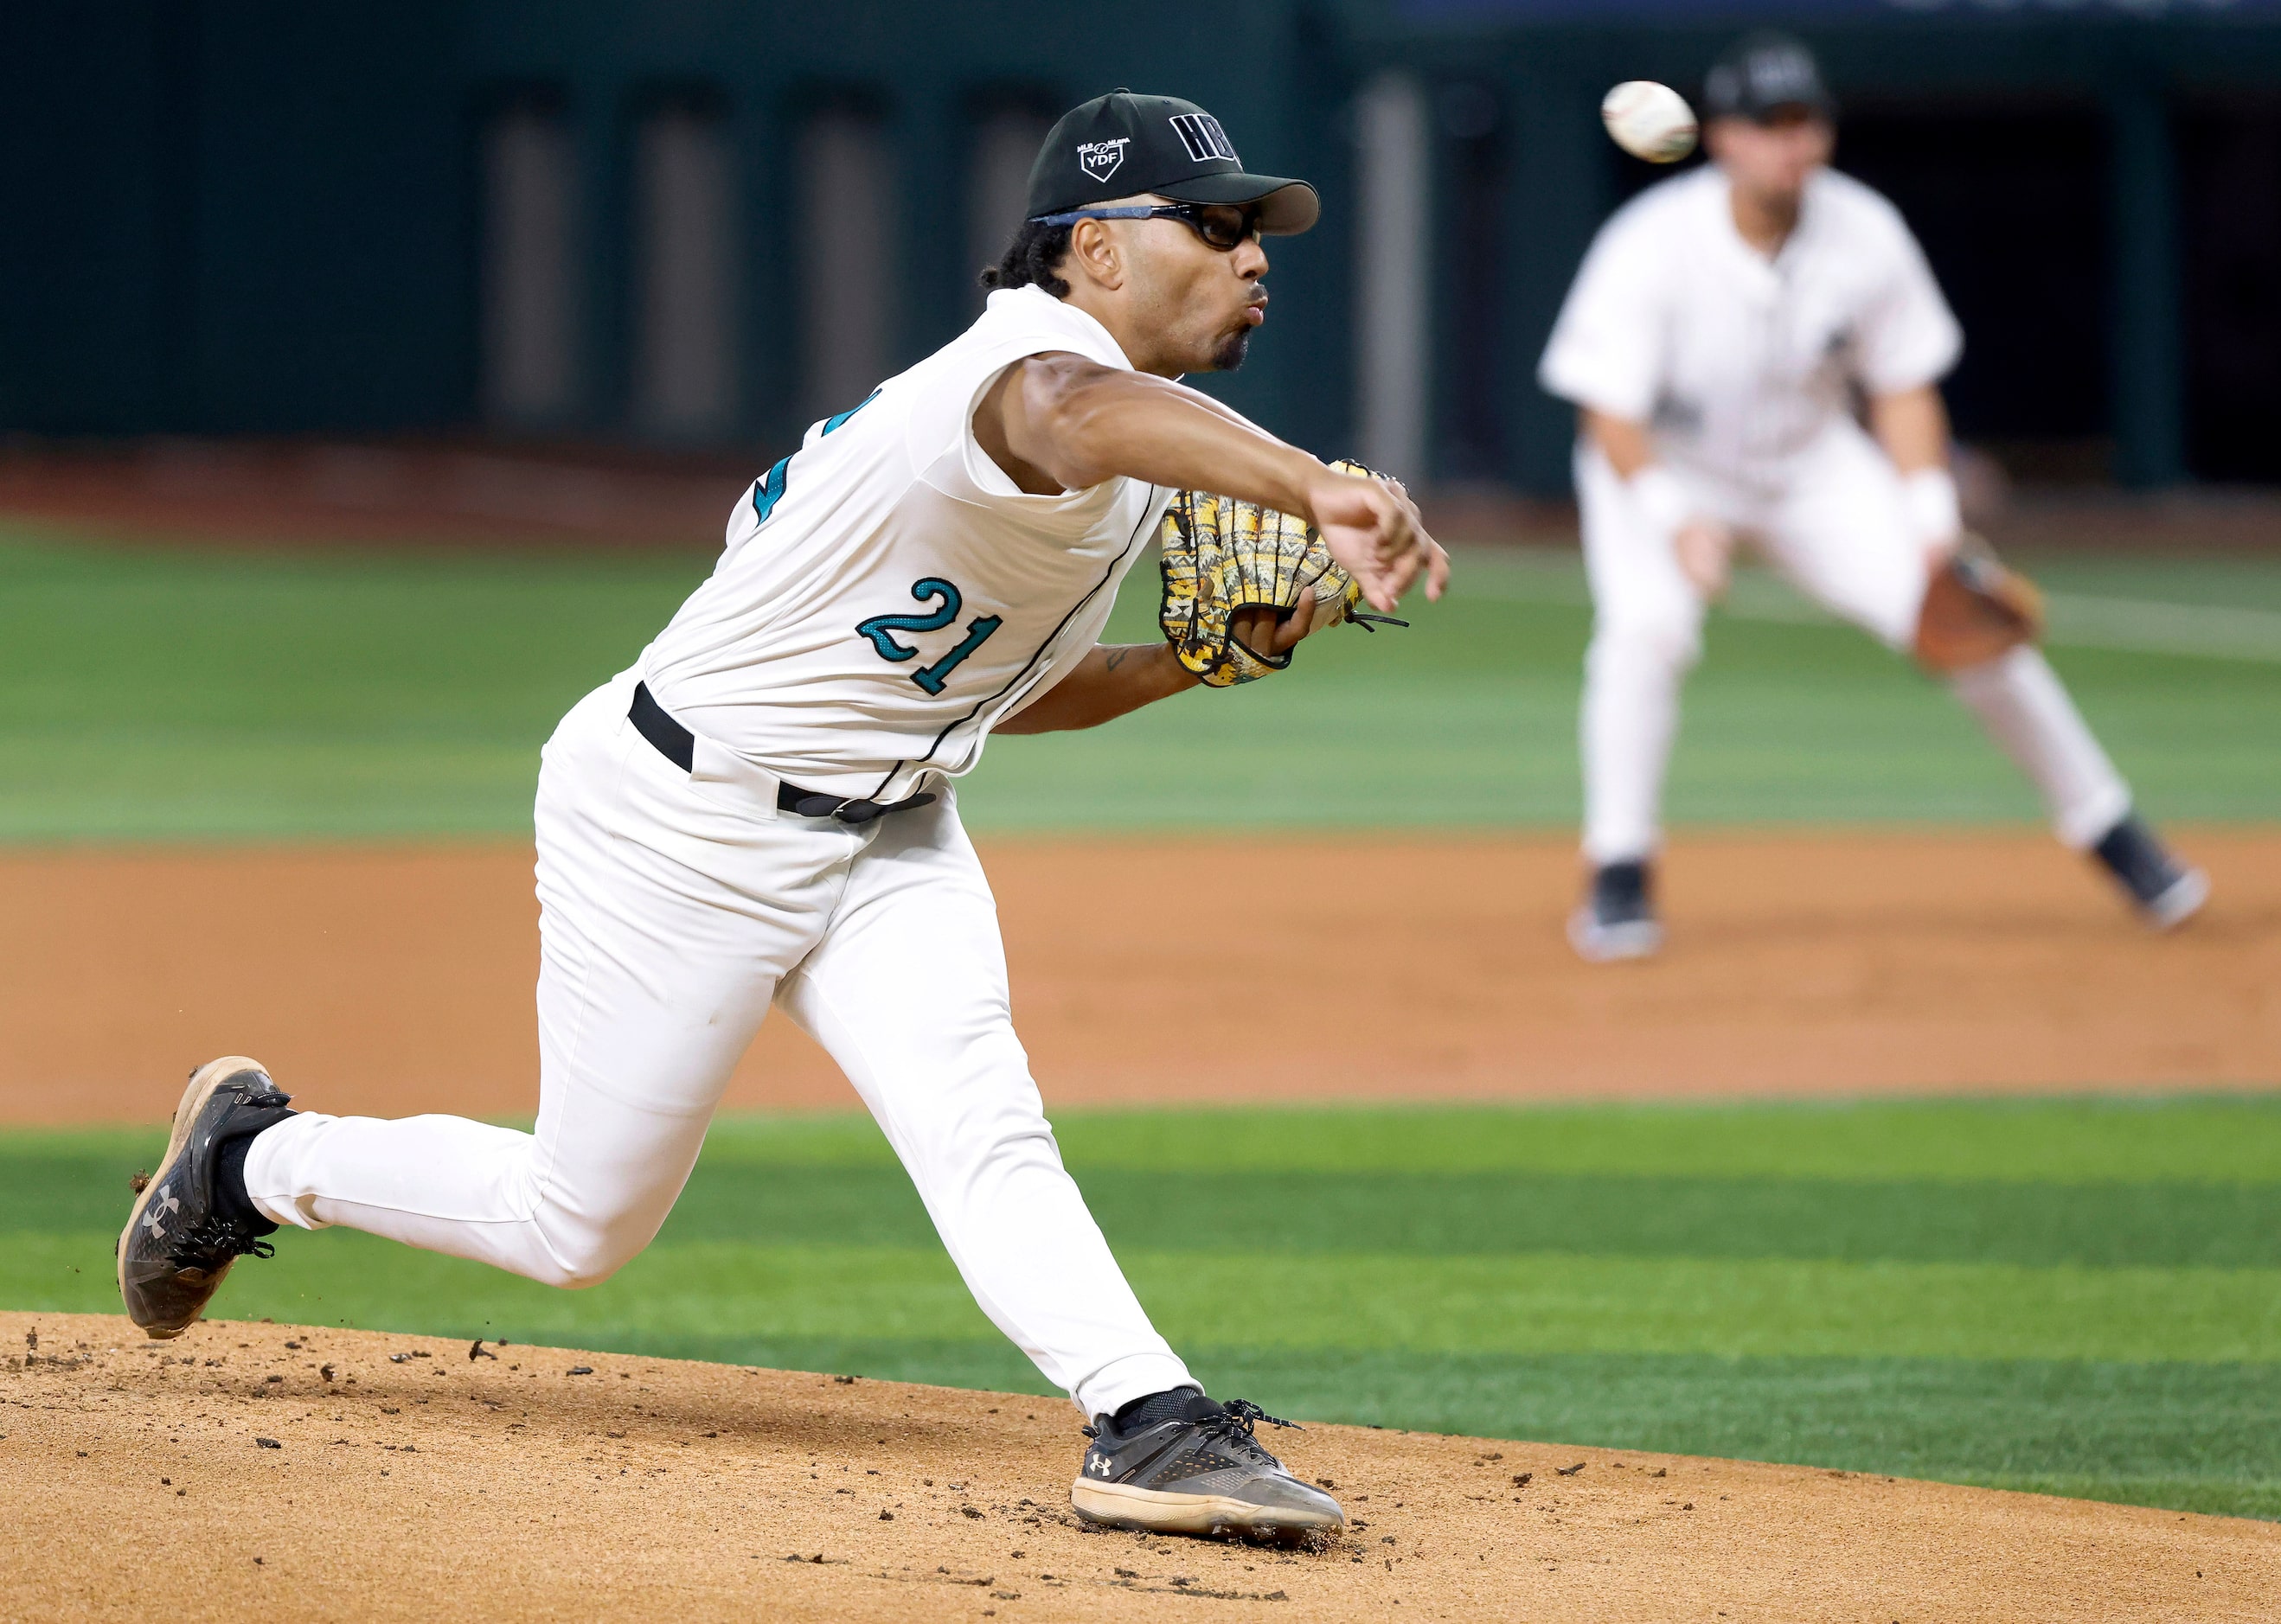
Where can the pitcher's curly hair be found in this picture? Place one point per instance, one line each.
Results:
(1032, 259)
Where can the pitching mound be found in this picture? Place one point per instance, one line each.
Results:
(274, 1472)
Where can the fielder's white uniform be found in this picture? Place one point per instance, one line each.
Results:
(1744, 368)
(886, 595)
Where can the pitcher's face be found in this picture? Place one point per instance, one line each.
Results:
(1198, 301)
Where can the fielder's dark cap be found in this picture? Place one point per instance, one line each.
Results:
(1121, 145)
(1763, 74)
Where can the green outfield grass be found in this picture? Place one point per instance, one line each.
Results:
(164, 693)
(2082, 1296)
(2078, 1295)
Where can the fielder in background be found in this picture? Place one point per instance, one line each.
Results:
(761, 812)
(1712, 343)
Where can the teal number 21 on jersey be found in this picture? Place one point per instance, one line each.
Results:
(769, 489)
(881, 630)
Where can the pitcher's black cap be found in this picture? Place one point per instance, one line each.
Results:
(1763, 73)
(1120, 145)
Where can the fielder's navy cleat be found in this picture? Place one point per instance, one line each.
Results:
(1197, 1470)
(192, 1219)
(1618, 917)
(2166, 892)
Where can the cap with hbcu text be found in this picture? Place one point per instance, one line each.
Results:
(1761, 75)
(1122, 145)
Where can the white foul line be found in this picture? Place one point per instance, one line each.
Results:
(2138, 626)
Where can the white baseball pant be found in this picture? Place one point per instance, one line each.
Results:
(674, 911)
(1832, 519)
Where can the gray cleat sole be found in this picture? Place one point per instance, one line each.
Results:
(1120, 1506)
(2179, 902)
(1605, 944)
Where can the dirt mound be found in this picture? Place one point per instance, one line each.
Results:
(271, 1471)
(390, 981)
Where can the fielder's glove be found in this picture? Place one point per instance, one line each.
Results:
(1974, 609)
(1221, 556)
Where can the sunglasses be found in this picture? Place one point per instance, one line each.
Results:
(1223, 226)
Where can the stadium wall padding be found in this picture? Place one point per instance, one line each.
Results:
(253, 216)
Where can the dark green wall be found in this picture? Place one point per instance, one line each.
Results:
(259, 216)
(2129, 79)
(237, 216)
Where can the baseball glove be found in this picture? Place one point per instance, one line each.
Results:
(1974, 609)
(1221, 556)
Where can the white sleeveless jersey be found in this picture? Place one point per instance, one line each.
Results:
(1736, 361)
(887, 594)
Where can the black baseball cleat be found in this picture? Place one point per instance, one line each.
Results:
(2166, 892)
(1617, 920)
(1197, 1471)
(191, 1218)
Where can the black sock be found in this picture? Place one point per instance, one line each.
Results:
(1622, 889)
(2134, 855)
(230, 1197)
(1173, 1405)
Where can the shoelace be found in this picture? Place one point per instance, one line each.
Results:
(216, 1239)
(1234, 1425)
(1236, 1419)
(1246, 1414)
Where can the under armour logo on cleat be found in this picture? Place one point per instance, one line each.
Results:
(162, 1207)
(1097, 1464)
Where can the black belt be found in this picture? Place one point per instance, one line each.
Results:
(678, 745)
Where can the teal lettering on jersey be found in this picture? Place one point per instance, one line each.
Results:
(831, 423)
(769, 490)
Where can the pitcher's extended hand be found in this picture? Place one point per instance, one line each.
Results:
(1371, 528)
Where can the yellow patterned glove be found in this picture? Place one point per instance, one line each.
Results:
(1221, 556)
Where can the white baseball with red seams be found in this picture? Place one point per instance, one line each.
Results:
(886, 597)
(1649, 120)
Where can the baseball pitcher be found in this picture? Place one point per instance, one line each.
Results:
(1713, 342)
(762, 811)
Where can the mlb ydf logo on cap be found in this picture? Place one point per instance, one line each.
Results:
(1103, 158)
(1122, 145)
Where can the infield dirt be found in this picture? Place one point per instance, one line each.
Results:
(402, 1478)
(392, 981)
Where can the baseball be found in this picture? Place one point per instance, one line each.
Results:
(1649, 120)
